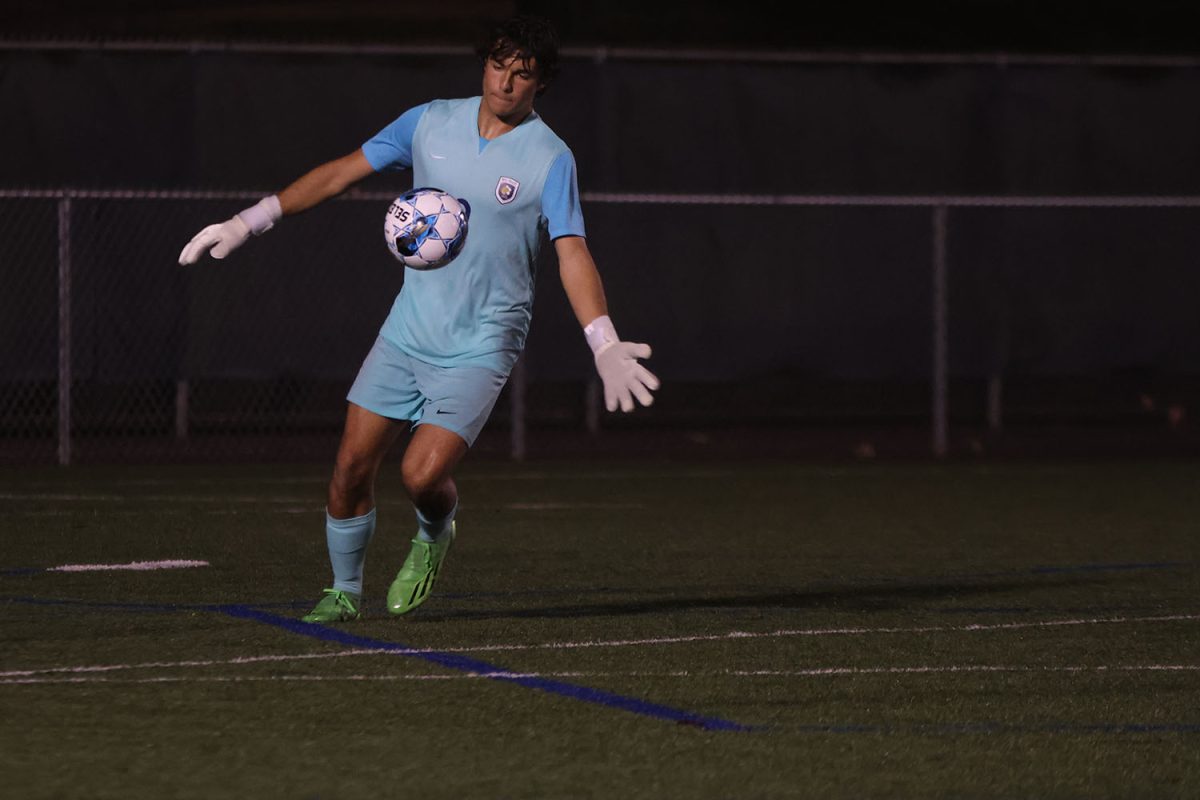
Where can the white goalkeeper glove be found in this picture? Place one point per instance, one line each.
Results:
(617, 362)
(223, 238)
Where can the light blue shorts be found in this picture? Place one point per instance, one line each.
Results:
(393, 384)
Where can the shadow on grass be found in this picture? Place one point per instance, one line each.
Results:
(868, 598)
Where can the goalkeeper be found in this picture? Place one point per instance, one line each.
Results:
(445, 351)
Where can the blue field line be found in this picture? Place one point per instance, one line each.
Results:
(492, 672)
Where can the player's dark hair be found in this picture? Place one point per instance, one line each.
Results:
(528, 38)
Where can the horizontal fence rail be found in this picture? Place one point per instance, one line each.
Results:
(659, 198)
(70, 297)
(999, 60)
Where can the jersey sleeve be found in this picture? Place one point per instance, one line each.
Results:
(560, 199)
(391, 148)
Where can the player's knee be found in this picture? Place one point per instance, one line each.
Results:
(352, 478)
(420, 481)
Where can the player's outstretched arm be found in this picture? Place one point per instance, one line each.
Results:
(616, 361)
(330, 179)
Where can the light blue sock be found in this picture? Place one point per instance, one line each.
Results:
(428, 530)
(347, 540)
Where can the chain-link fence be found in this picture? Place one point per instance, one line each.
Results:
(933, 310)
(165, 361)
(953, 315)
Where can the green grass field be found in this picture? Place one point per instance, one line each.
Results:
(740, 630)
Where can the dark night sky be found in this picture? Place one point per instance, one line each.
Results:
(954, 26)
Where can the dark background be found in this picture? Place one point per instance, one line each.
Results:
(966, 25)
(774, 316)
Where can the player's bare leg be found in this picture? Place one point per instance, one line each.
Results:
(366, 439)
(428, 462)
(350, 514)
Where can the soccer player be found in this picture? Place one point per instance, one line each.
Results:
(446, 349)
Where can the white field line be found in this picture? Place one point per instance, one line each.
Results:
(975, 628)
(491, 648)
(194, 663)
(505, 674)
(135, 566)
(305, 678)
(816, 672)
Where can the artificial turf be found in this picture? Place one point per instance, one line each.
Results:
(866, 630)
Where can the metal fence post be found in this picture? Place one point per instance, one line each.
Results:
(125, 405)
(940, 313)
(64, 331)
(182, 405)
(995, 403)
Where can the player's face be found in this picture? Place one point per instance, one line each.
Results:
(509, 87)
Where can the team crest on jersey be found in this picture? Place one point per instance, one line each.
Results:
(506, 190)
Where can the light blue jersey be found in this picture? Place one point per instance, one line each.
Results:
(476, 310)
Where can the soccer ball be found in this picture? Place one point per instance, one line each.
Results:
(426, 228)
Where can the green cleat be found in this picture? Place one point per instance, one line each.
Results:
(415, 579)
(335, 606)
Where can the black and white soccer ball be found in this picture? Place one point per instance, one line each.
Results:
(426, 228)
